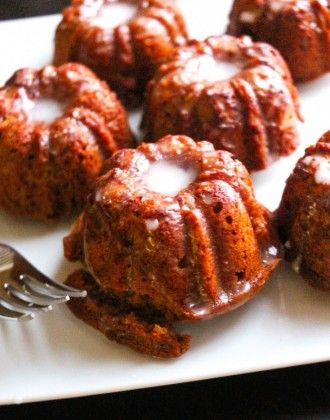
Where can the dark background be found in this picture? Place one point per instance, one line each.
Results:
(294, 393)
(13, 9)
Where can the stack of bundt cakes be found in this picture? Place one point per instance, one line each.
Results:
(230, 91)
(304, 215)
(170, 231)
(160, 254)
(57, 125)
(121, 40)
(299, 29)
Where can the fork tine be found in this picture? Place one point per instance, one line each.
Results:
(9, 315)
(14, 317)
(29, 298)
(12, 304)
(43, 289)
(69, 291)
(37, 291)
(10, 257)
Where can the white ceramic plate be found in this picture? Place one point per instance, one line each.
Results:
(57, 356)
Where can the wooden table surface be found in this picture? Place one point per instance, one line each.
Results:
(294, 393)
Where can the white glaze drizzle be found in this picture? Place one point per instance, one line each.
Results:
(321, 165)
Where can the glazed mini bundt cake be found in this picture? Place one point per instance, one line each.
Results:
(304, 215)
(230, 91)
(121, 40)
(57, 126)
(171, 232)
(299, 29)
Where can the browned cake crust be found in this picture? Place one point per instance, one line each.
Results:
(299, 29)
(47, 169)
(144, 331)
(304, 215)
(125, 56)
(252, 114)
(200, 253)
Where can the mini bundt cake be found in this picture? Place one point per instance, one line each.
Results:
(229, 91)
(299, 29)
(121, 40)
(171, 232)
(304, 215)
(57, 126)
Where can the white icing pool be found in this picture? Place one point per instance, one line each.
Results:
(168, 178)
(113, 14)
(210, 69)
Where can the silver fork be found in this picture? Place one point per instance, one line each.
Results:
(24, 290)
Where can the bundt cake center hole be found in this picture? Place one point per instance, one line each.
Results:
(114, 13)
(44, 110)
(168, 177)
(212, 69)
